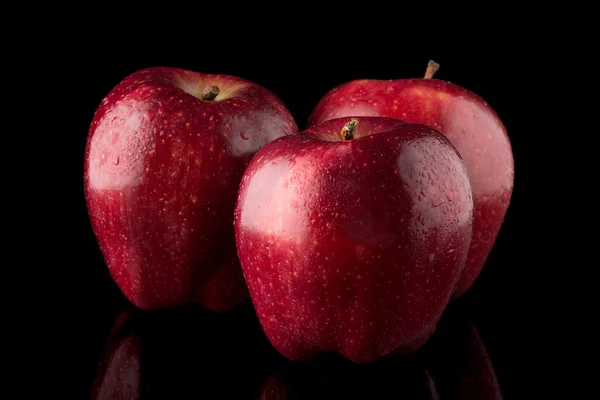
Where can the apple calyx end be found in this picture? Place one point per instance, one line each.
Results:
(349, 129)
(210, 93)
(432, 68)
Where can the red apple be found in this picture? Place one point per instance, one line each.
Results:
(165, 154)
(353, 242)
(470, 124)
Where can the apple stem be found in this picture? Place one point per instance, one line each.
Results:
(349, 129)
(432, 68)
(210, 93)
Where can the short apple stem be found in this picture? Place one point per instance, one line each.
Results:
(349, 129)
(432, 68)
(210, 93)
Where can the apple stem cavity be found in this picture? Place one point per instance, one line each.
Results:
(432, 68)
(210, 93)
(349, 129)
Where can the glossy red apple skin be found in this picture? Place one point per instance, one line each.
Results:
(467, 120)
(353, 247)
(162, 169)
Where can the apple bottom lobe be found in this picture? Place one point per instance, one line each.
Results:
(361, 322)
(219, 288)
(219, 293)
(365, 357)
(417, 342)
(362, 356)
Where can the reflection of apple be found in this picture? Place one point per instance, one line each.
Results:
(352, 236)
(335, 379)
(461, 364)
(472, 370)
(182, 353)
(165, 153)
(119, 373)
(464, 118)
(453, 365)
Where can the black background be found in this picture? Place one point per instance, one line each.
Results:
(506, 303)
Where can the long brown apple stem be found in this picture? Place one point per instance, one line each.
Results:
(432, 68)
(349, 129)
(210, 93)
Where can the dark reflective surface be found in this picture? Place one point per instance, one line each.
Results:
(194, 353)
(182, 353)
(333, 378)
